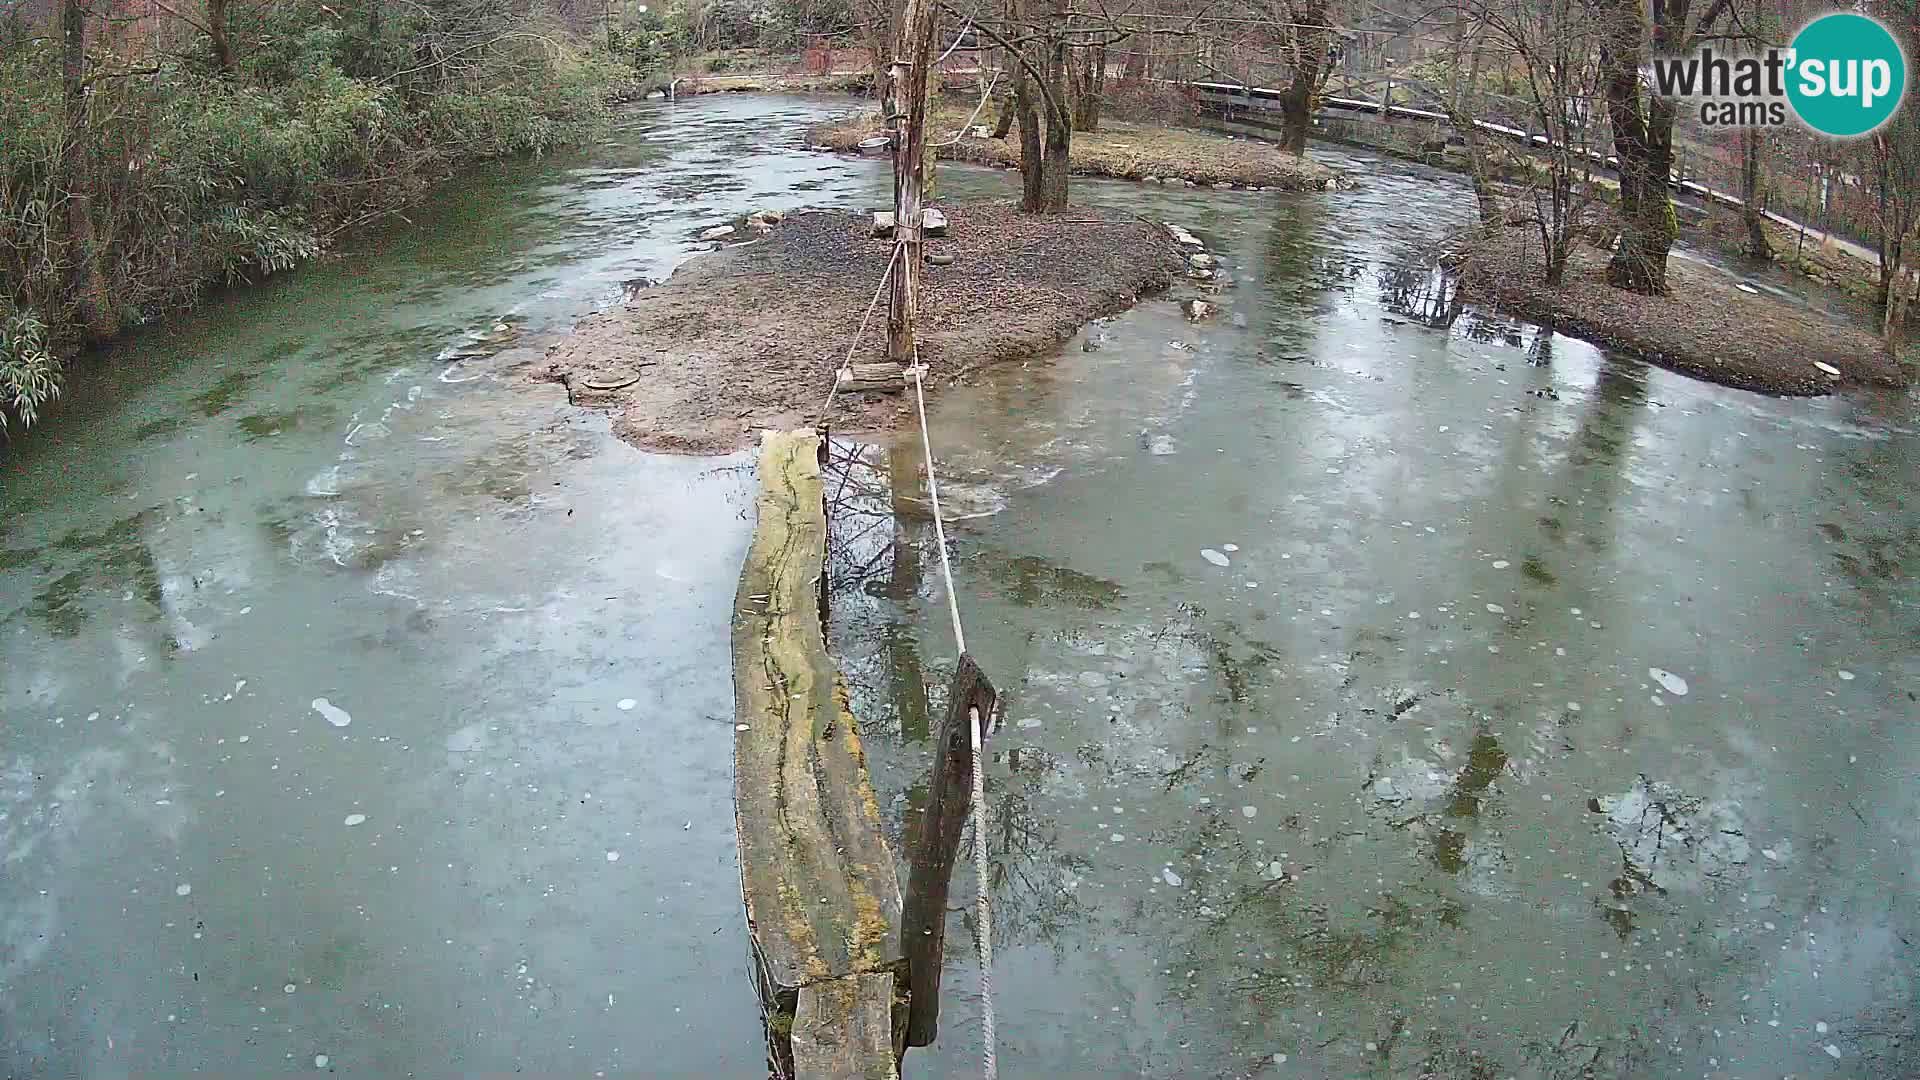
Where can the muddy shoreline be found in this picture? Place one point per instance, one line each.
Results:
(1707, 327)
(749, 336)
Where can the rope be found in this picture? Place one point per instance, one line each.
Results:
(983, 937)
(933, 497)
(977, 109)
(989, 1067)
(846, 366)
(957, 39)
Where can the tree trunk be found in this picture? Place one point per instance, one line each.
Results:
(1054, 166)
(1309, 57)
(1010, 107)
(1032, 164)
(1090, 86)
(1753, 193)
(909, 106)
(89, 280)
(1643, 142)
(217, 36)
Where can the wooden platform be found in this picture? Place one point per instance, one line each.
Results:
(823, 902)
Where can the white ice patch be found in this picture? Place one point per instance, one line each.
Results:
(1671, 683)
(626, 704)
(1214, 557)
(355, 819)
(183, 890)
(1167, 875)
(333, 714)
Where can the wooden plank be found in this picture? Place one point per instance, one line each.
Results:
(843, 1030)
(883, 376)
(821, 895)
(949, 800)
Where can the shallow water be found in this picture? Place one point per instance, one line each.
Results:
(338, 659)
(1549, 714)
(340, 665)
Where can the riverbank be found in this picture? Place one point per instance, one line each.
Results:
(749, 336)
(1120, 149)
(190, 179)
(1706, 326)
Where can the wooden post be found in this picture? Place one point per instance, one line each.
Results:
(949, 799)
(908, 93)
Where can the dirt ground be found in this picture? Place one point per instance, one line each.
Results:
(749, 336)
(1705, 327)
(1120, 149)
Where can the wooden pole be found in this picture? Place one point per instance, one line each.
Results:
(923, 917)
(907, 78)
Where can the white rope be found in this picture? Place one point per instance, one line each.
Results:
(957, 39)
(985, 97)
(983, 912)
(846, 366)
(989, 1067)
(933, 497)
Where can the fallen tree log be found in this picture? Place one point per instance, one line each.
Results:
(822, 898)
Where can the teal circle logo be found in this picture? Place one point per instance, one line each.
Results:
(1848, 75)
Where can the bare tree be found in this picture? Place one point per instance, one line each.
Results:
(1643, 128)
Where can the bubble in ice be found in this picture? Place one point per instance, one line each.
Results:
(1501, 564)
(613, 856)
(1248, 811)
(320, 1061)
(355, 819)
(287, 988)
(626, 704)
(1167, 875)
(1229, 548)
(332, 713)
(1671, 683)
(1496, 609)
(182, 890)
(1214, 557)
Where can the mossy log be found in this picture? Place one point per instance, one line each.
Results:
(823, 902)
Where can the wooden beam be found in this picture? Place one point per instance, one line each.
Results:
(822, 899)
(843, 1028)
(949, 800)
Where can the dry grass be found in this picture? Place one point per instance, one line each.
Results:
(1704, 326)
(1120, 149)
